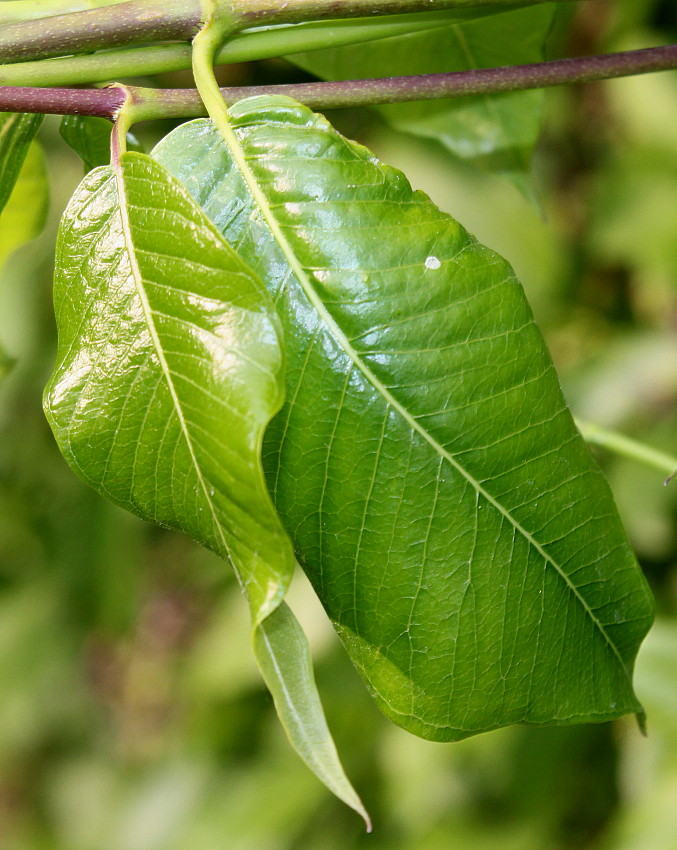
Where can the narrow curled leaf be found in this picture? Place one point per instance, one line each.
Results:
(169, 368)
(438, 493)
(17, 131)
(496, 132)
(284, 659)
(26, 210)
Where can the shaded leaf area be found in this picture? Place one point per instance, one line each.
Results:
(17, 131)
(447, 512)
(496, 132)
(90, 139)
(26, 209)
(168, 371)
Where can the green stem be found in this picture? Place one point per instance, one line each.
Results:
(248, 46)
(13, 11)
(627, 447)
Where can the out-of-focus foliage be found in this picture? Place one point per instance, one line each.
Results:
(131, 713)
(496, 132)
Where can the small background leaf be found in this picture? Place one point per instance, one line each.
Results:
(90, 139)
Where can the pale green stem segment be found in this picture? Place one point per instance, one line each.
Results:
(126, 116)
(280, 645)
(627, 447)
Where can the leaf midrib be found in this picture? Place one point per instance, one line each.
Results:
(157, 345)
(258, 196)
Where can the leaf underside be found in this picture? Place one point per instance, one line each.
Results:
(438, 494)
(169, 368)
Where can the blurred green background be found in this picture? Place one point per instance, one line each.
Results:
(131, 713)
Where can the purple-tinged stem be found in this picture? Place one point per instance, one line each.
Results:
(101, 103)
(186, 103)
(465, 83)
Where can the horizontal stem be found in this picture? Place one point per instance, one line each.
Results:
(100, 28)
(186, 103)
(100, 103)
(368, 92)
(248, 46)
(255, 12)
(627, 447)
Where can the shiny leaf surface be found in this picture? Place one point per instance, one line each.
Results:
(496, 132)
(169, 369)
(447, 511)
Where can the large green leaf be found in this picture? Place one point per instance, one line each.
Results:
(496, 132)
(26, 210)
(17, 131)
(446, 509)
(169, 368)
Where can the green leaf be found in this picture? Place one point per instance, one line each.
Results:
(169, 369)
(26, 210)
(448, 513)
(17, 131)
(496, 132)
(90, 139)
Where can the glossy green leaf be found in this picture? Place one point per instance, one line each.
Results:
(90, 139)
(169, 368)
(17, 131)
(440, 498)
(496, 132)
(26, 210)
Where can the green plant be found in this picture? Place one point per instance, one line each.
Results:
(270, 341)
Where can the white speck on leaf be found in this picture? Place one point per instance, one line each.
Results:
(432, 263)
